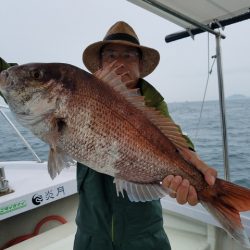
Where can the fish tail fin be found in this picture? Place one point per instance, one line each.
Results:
(224, 201)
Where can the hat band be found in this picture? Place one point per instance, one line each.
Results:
(122, 36)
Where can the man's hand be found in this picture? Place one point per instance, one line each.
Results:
(182, 190)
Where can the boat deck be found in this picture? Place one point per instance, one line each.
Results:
(189, 228)
(185, 233)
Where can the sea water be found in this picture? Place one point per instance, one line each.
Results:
(206, 136)
(204, 129)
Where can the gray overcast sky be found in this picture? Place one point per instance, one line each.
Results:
(59, 30)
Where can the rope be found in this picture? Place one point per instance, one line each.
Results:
(209, 72)
(35, 232)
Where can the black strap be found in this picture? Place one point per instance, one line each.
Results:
(122, 36)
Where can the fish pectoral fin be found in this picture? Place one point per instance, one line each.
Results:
(57, 161)
(140, 192)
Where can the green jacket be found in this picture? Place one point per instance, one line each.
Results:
(107, 222)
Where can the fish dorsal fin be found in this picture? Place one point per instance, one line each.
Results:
(163, 123)
(140, 192)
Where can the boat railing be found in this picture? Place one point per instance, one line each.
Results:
(2, 107)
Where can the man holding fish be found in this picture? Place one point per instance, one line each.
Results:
(117, 127)
(104, 220)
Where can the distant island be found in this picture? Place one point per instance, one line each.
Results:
(238, 96)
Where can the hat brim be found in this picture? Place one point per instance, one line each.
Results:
(91, 56)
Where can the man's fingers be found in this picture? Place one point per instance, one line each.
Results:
(182, 192)
(175, 183)
(192, 196)
(166, 184)
(210, 176)
(167, 180)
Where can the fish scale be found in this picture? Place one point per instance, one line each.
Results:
(118, 132)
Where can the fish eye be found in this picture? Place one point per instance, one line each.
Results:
(36, 74)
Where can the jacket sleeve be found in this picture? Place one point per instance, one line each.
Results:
(154, 99)
(4, 65)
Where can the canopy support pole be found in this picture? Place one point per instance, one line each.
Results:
(222, 108)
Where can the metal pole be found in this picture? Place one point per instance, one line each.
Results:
(183, 34)
(222, 108)
(20, 135)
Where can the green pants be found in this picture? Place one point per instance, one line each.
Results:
(107, 222)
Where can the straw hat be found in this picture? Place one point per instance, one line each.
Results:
(120, 33)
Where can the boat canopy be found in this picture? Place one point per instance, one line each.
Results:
(198, 14)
